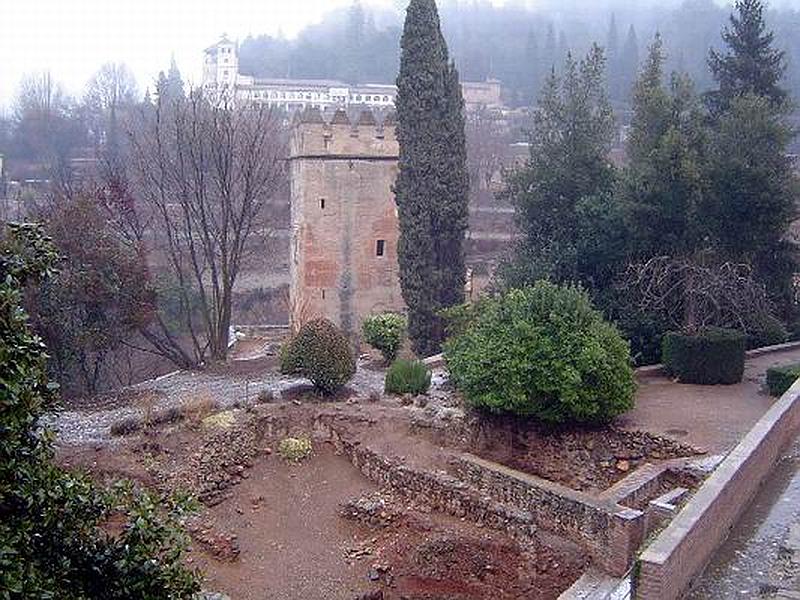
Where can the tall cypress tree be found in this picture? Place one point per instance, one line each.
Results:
(629, 63)
(751, 64)
(452, 209)
(431, 186)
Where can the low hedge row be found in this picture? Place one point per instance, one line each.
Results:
(780, 379)
(709, 357)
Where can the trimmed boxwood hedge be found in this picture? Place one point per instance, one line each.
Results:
(780, 379)
(712, 356)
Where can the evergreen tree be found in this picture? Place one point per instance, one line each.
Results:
(170, 86)
(567, 180)
(751, 64)
(431, 185)
(531, 73)
(549, 56)
(613, 59)
(754, 191)
(563, 47)
(665, 181)
(452, 213)
(354, 43)
(629, 64)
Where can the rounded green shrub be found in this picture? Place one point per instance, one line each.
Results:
(543, 351)
(385, 333)
(780, 379)
(407, 377)
(321, 353)
(709, 357)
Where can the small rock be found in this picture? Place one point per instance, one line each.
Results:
(373, 575)
(623, 466)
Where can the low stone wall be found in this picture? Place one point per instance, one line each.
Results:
(610, 533)
(442, 491)
(681, 551)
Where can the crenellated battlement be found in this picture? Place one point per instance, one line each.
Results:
(365, 136)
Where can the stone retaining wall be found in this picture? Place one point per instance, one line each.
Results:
(681, 551)
(610, 533)
(442, 491)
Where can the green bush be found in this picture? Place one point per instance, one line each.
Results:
(709, 357)
(771, 331)
(54, 539)
(320, 352)
(780, 379)
(408, 377)
(385, 333)
(543, 351)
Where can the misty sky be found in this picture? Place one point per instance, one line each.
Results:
(74, 37)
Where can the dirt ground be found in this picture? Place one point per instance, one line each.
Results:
(270, 529)
(712, 417)
(589, 459)
(276, 530)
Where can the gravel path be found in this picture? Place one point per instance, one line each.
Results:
(93, 425)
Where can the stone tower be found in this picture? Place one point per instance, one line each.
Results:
(220, 67)
(344, 220)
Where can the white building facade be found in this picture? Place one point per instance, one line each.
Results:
(221, 77)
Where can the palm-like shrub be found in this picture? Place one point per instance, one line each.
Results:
(543, 351)
(321, 353)
(407, 377)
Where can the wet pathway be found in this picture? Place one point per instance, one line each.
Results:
(757, 560)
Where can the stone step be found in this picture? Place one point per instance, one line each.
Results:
(596, 585)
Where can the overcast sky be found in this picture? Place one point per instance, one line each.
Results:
(72, 38)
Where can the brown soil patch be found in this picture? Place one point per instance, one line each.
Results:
(433, 557)
(586, 459)
(274, 530)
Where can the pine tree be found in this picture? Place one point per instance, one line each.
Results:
(174, 80)
(665, 181)
(354, 43)
(549, 56)
(754, 193)
(430, 190)
(613, 59)
(531, 74)
(629, 63)
(567, 177)
(751, 64)
(169, 86)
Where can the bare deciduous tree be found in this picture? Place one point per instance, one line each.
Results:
(203, 171)
(488, 140)
(693, 293)
(110, 92)
(46, 129)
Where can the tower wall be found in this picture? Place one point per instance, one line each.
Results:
(343, 216)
